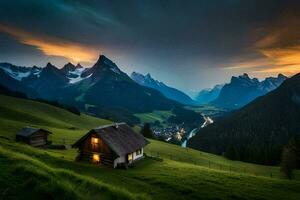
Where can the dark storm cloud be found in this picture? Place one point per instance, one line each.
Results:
(181, 42)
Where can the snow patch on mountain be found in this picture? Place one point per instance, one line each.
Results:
(36, 72)
(18, 74)
(112, 66)
(75, 76)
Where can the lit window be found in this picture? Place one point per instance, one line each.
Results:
(130, 156)
(96, 158)
(95, 140)
(95, 144)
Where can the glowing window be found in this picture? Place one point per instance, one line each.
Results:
(130, 156)
(96, 158)
(95, 140)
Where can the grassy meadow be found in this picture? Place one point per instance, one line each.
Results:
(32, 173)
(16, 113)
(157, 115)
(207, 110)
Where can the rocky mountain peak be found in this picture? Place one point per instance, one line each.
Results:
(50, 66)
(78, 66)
(148, 76)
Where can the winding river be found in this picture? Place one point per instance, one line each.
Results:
(207, 121)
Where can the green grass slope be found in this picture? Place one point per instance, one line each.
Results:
(31, 173)
(53, 176)
(191, 156)
(25, 176)
(157, 115)
(16, 113)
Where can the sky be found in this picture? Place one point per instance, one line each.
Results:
(188, 44)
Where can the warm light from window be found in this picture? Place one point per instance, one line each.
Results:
(95, 140)
(130, 156)
(96, 158)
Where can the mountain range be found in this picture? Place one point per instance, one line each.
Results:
(259, 130)
(242, 90)
(102, 90)
(167, 91)
(207, 95)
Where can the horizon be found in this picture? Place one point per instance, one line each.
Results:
(191, 94)
(189, 46)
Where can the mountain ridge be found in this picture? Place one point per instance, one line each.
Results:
(167, 91)
(242, 90)
(102, 90)
(208, 95)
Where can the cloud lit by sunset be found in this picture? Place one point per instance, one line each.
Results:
(285, 60)
(208, 42)
(277, 51)
(51, 46)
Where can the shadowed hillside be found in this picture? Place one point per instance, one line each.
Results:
(258, 131)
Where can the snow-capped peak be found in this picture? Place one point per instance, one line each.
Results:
(17, 72)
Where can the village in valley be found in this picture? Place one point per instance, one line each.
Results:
(149, 100)
(171, 133)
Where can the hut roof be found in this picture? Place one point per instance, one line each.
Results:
(119, 137)
(28, 131)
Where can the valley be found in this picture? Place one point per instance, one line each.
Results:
(149, 100)
(177, 171)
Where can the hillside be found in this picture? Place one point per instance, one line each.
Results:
(182, 174)
(16, 113)
(23, 168)
(103, 90)
(149, 179)
(259, 130)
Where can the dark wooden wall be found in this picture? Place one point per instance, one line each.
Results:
(39, 138)
(87, 150)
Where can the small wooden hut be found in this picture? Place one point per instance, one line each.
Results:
(33, 136)
(112, 145)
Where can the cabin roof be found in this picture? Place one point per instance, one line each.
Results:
(119, 137)
(28, 131)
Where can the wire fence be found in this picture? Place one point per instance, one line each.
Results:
(256, 171)
(267, 171)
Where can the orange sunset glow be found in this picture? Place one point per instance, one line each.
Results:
(50, 46)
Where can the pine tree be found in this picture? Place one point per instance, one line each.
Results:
(147, 131)
(289, 159)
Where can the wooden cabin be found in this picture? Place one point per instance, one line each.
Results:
(112, 145)
(33, 136)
